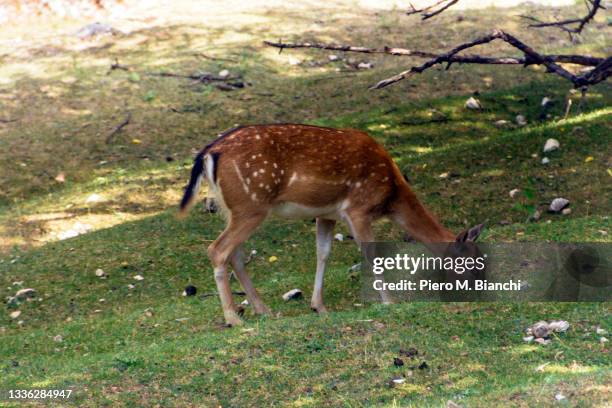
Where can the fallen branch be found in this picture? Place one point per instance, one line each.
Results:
(595, 5)
(118, 128)
(209, 294)
(8, 120)
(597, 74)
(461, 59)
(426, 13)
(209, 57)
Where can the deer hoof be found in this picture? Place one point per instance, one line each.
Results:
(232, 319)
(319, 309)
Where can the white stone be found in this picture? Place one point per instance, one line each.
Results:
(100, 273)
(551, 145)
(473, 103)
(339, 237)
(514, 193)
(224, 73)
(292, 294)
(365, 65)
(520, 120)
(558, 204)
(138, 277)
(545, 160)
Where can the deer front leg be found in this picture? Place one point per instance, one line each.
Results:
(325, 231)
(361, 226)
(237, 261)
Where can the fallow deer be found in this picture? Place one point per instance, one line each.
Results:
(303, 171)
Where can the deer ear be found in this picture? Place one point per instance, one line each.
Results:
(470, 235)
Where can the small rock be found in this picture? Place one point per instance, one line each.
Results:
(545, 160)
(15, 314)
(566, 211)
(545, 101)
(130, 286)
(365, 65)
(292, 294)
(58, 338)
(294, 61)
(539, 329)
(501, 123)
(339, 237)
(23, 294)
(514, 193)
(473, 103)
(599, 330)
(558, 204)
(537, 214)
(190, 290)
(398, 362)
(138, 277)
(520, 120)
(60, 178)
(224, 73)
(444, 175)
(355, 268)
(332, 57)
(603, 340)
(551, 145)
(558, 326)
(94, 198)
(398, 380)
(100, 273)
(245, 302)
(559, 396)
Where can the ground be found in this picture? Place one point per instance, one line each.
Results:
(147, 345)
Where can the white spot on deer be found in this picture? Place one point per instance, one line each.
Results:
(255, 174)
(262, 171)
(265, 162)
(248, 180)
(282, 171)
(244, 184)
(275, 165)
(247, 165)
(254, 197)
(257, 136)
(261, 184)
(253, 157)
(293, 179)
(358, 184)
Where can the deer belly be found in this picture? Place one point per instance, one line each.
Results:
(295, 210)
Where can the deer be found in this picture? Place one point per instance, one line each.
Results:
(301, 171)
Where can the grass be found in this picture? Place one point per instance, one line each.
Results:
(147, 345)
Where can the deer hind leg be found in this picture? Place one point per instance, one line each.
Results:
(237, 261)
(220, 251)
(325, 230)
(361, 226)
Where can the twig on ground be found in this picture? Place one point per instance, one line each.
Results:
(8, 120)
(118, 128)
(592, 7)
(116, 65)
(209, 57)
(209, 294)
(428, 12)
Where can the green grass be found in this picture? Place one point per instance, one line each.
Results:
(131, 349)
(148, 345)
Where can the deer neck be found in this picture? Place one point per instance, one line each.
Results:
(417, 221)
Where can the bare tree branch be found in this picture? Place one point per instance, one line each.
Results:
(598, 74)
(592, 7)
(428, 12)
(461, 59)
